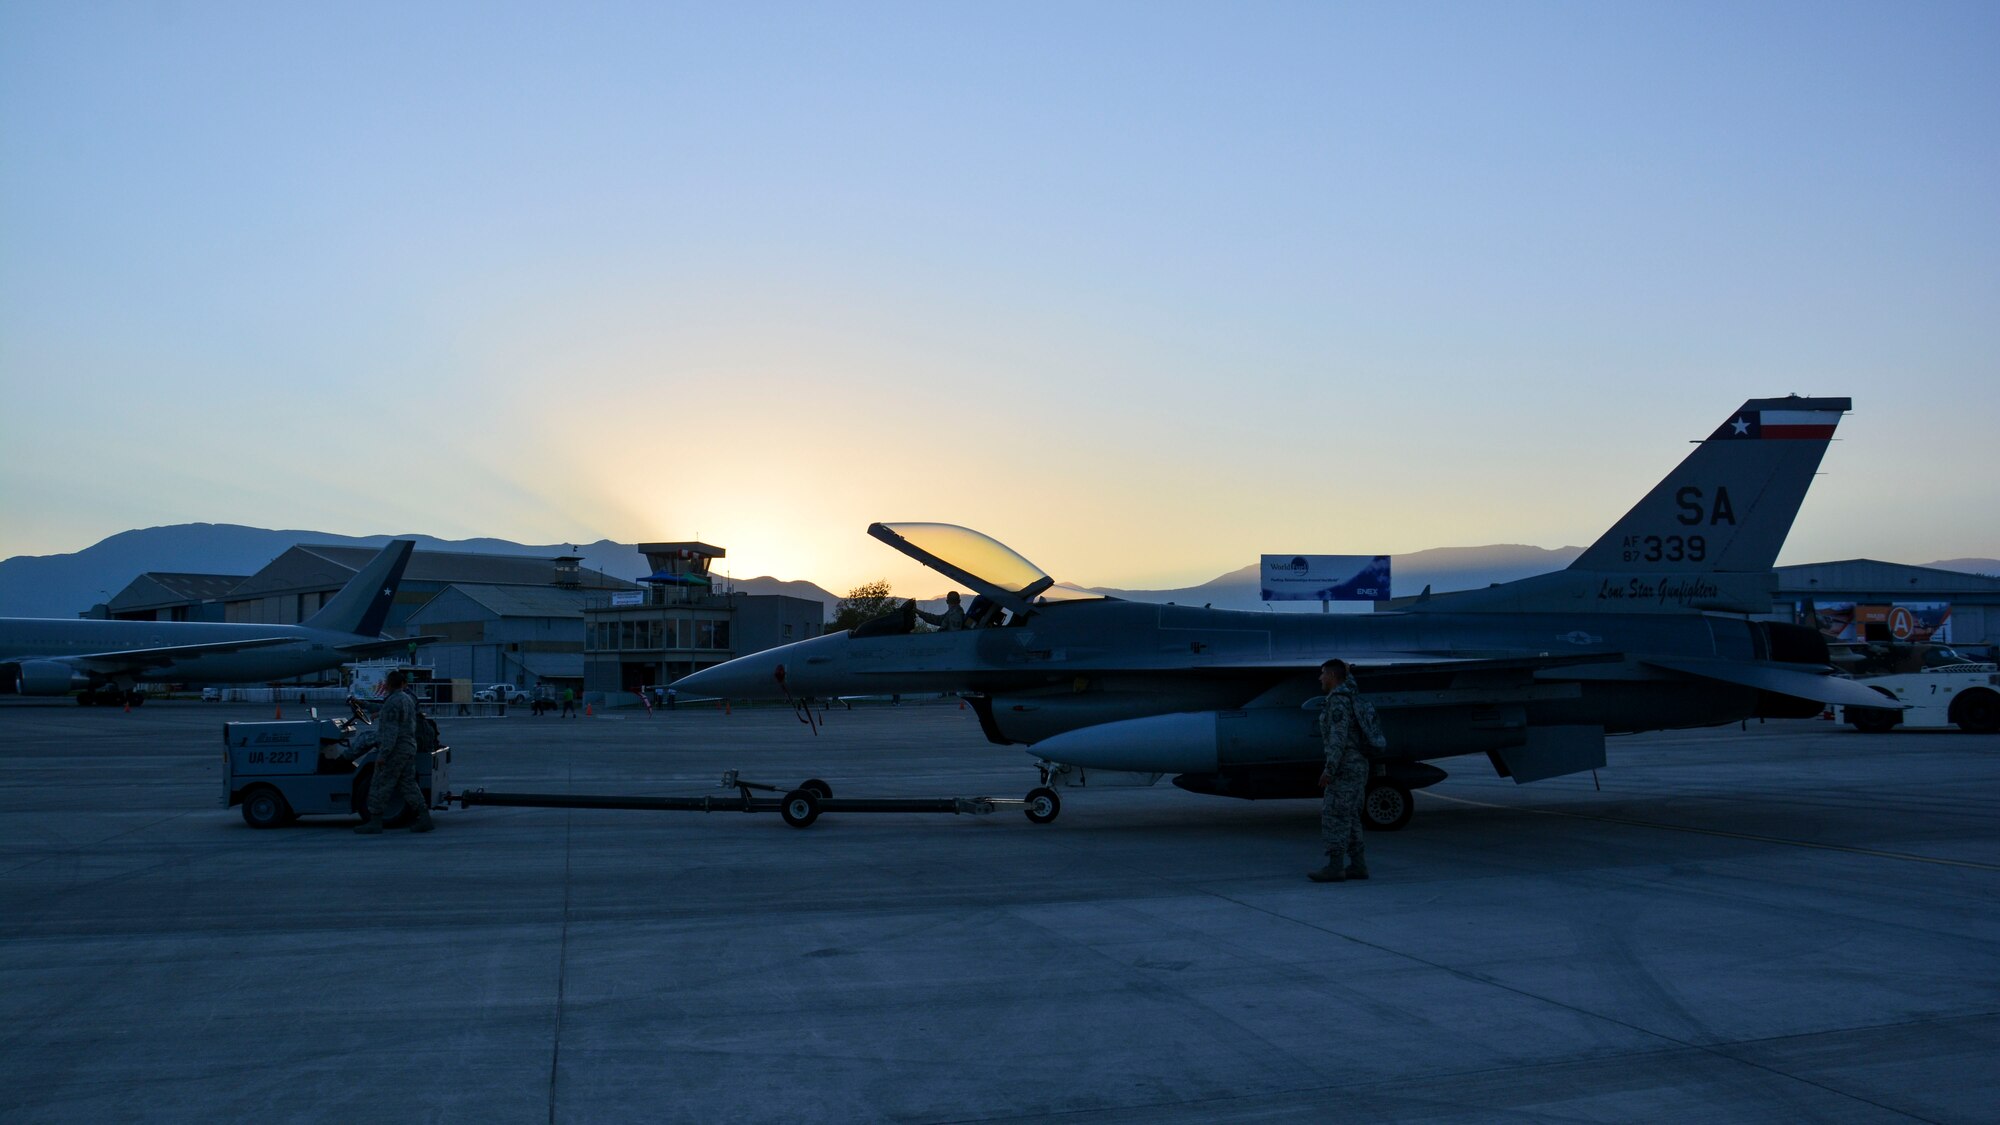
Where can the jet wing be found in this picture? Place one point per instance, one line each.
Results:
(1784, 680)
(139, 659)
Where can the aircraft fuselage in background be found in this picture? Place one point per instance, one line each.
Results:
(54, 656)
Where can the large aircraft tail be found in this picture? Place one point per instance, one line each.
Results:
(362, 606)
(1705, 538)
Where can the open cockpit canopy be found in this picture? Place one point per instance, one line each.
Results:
(979, 561)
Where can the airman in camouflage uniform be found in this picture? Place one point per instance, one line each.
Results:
(396, 759)
(1347, 727)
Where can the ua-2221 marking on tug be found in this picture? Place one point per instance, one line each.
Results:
(1648, 629)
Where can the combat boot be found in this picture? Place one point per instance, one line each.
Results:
(1358, 869)
(370, 827)
(423, 823)
(1333, 872)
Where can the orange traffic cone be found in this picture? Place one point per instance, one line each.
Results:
(725, 707)
(278, 711)
(128, 706)
(586, 711)
(961, 703)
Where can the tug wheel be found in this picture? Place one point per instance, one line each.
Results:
(1977, 711)
(1043, 805)
(1874, 720)
(265, 807)
(800, 808)
(815, 785)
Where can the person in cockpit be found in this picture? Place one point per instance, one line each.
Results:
(953, 617)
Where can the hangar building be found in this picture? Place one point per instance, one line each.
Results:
(293, 586)
(1883, 601)
(514, 619)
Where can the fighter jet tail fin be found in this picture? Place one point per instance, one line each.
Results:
(1728, 507)
(362, 606)
(1705, 538)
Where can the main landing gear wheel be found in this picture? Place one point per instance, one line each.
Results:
(1043, 805)
(815, 785)
(265, 807)
(1385, 808)
(801, 807)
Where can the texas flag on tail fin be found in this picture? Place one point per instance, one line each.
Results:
(1778, 425)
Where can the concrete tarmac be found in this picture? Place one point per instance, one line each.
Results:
(1789, 922)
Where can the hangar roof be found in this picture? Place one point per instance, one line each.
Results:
(507, 601)
(1872, 578)
(155, 589)
(309, 567)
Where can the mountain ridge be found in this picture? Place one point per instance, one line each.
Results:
(64, 585)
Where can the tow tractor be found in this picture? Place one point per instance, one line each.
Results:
(1940, 687)
(279, 771)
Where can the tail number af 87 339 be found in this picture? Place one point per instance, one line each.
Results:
(1665, 548)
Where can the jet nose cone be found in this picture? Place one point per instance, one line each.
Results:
(800, 669)
(746, 677)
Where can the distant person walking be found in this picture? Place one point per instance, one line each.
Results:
(1348, 728)
(396, 758)
(953, 617)
(569, 703)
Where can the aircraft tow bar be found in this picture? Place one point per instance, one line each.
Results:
(800, 806)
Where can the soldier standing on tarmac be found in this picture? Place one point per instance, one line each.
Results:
(1347, 728)
(396, 758)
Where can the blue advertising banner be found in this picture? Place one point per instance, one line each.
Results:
(1325, 578)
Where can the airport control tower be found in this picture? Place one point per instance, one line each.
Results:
(680, 571)
(642, 641)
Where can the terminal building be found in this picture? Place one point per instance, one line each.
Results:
(678, 622)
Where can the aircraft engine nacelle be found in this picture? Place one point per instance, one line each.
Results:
(47, 677)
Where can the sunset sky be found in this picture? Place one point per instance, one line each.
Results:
(1143, 290)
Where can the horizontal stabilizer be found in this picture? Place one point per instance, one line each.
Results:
(1817, 687)
(393, 645)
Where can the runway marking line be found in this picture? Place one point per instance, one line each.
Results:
(1976, 866)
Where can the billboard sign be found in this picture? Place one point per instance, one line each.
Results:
(1904, 622)
(1325, 578)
